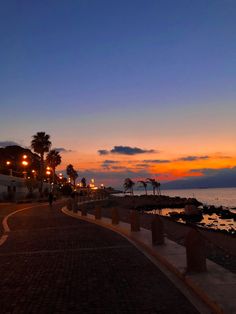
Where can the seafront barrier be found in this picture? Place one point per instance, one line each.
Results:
(220, 246)
(210, 282)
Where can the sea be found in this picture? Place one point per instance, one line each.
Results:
(217, 196)
(225, 197)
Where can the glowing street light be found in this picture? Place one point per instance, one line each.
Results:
(24, 164)
(34, 173)
(8, 163)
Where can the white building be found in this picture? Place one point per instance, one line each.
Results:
(12, 187)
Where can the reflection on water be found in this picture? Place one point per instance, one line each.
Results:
(212, 221)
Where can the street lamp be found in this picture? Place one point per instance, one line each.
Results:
(8, 163)
(34, 174)
(24, 164)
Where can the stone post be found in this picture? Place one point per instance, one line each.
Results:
(115, 216)
(69, 204)
(98, 213)
(74, 206)
(157, 231)
(134, 220)
(195, 252)
(84, 211)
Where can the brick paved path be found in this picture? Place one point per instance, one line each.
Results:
(52, 263)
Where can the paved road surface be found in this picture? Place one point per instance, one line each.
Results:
(52, 263)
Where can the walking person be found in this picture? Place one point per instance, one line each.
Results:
(50, 199)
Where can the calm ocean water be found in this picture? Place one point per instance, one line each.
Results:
(221, 196)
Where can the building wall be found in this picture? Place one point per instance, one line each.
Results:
(15, 187)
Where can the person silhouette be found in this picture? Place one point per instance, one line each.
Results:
(50, 199)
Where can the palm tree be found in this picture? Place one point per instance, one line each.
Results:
(41, 144)
(72, 173)
(53, 160)
(128, 185)
(155, 186)
(83, 182)
(144, 183)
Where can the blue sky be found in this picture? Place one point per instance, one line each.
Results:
(99, 74)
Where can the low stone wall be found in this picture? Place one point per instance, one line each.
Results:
(221, 247)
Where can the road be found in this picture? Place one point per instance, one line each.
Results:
(52, 263)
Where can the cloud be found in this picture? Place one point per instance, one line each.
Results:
(103, 152)
(126, 150)
(8, 143)
(142, 165)
(108, 163)
(157, 161)
(63, 150)
(192, 158)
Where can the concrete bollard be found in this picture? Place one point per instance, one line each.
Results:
(115, 216)
(134, 220)
(98, 213)
(83, 211)
(69, 204)
(74, 206)
(195, 252)
(157, 231)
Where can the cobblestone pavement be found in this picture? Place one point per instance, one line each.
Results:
(52, 263)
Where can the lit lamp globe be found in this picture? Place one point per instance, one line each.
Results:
(8, 163)
(24, 164)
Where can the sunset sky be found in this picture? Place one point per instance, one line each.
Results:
(138, 88)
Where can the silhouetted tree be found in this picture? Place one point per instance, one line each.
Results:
(72, 173)
(128, 185)
(31, 185)
(41, 144)
(155, 186)
(83, 182)
(53, 160)
(144, 183)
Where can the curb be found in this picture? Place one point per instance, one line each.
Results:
(187, 279)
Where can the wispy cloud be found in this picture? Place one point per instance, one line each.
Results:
(63, 150)
(142, 165)
(103, 152)
(157, 161)
(192, 158)
(108, 163)
(126, 150)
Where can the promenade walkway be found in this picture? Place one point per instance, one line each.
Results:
(52, 263)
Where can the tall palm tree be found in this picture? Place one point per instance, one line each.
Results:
(41, 144)
(128, 185)
(83, 182)
(72, 173)
(144, 183)
(155, 186)
(53, 159)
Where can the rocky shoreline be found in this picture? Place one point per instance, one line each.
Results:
(220, 254)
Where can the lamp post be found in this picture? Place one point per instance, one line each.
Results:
(24, 164)
(8, 163)
(34, 174)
